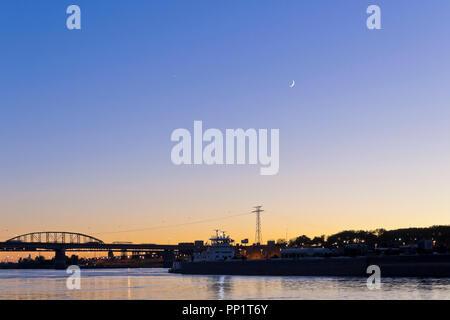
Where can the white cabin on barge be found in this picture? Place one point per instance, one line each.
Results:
(220, 249)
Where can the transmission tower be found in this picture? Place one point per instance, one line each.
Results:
(258, 238)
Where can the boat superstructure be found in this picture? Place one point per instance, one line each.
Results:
(220, 249)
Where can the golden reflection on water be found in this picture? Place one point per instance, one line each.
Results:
(129, 288)
(159, 284)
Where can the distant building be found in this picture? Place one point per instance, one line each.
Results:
(305, 252)
(198, 243)
(425, 245)
(185, 244)
(355, 249)
(271, 242)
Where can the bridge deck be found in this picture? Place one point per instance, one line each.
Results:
(36, 246)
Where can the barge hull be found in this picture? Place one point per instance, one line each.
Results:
(391, 266)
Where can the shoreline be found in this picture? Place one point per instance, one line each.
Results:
(17, 266)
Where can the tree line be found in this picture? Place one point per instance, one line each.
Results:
(440, 235)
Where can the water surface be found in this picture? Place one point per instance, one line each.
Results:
(108, 284)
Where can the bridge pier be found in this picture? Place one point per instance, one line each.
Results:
(60, 259)
(124, 254)
(168, 258)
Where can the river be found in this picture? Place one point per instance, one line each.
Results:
(106, 284)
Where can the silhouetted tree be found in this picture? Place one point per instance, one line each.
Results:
(300, 241)
(318, 241)
(381, 238)
(281, 243)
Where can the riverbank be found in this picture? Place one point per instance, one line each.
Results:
(103, 265)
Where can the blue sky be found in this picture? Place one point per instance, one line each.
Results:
(86, 116)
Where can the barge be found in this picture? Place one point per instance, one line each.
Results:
(219, 259)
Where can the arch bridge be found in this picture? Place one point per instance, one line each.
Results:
(55, 237)
(60, 242)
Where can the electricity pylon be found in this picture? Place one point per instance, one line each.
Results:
(258, 238)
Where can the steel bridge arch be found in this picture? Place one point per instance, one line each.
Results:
(55, 237)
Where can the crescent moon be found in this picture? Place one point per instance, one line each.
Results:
(292, 84)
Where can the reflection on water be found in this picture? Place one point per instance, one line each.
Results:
(158, 284)
(219, 287)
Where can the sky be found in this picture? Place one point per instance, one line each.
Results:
(86, 116)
